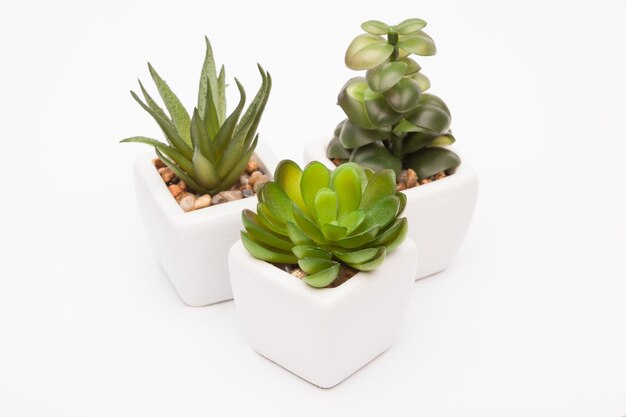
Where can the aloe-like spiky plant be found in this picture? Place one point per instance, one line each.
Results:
(392, 122)
(208, 150)
(319, 219)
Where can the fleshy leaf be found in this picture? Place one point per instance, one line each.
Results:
(352, 102)
(266, 253)
(353, 136)
(431, 160)
(373, 263)
(177, 111)
(208, 82)
(381, 185)
(346, 181)
(257, 232)
(204, 170)
(410, 26)
(404, 96)
(314, 177)
(375, 27)
(385, 76)
(335, 150)
(278, 202)
(418, 43)
(170, 152)
(383, 211)
(415, 141)
(325, 203)
(412, 66)
(376, 157)
(378, 110)
(323, 278)
(333, 232)
(367, 51)
(306, 251)
(431, 114)
(393, 236)
(288, 175)
(359, 256)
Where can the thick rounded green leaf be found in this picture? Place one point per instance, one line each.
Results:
(418, 43)
(278, 202)
(412, 67)
(314, 265)
(335, 150)
(353, 136)
(378, 111)
(381, 185)
(269, 220)
(404, 96)
(410, 26)
(263, 235)
(307, 227)
(376, 157)
(333, 232)
(375, 27)
(346, 180)
(383, 211)
(394, 235)
(443, 140)
(288, 175)
(385, 76)
(372, 264)
(429, 161)
(422, 80)
(352, 102)
(431, 114)
(353, 220)
(307, 251)
(358, 256)
(265, 253)
(405, 126)
(297, 236)
(417, 140)
(366, 51)
(359, 239)
(338, 128)
(323, 278)
(325, 205)
(314, 178)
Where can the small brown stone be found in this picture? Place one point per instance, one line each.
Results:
(166, 174)
(259, 183)
(254, 177)
(298, 273)
(175, 190)
(247, 192)
(440, 175)
(202, 202)
(251, 166)
(425, 181)
(401, 178)
(187, 201)
(243, 180)
(231, 195)
(338, 161)
(158, 163)
(182, 185)
(218, 199)
(411, 178)
(400, 186)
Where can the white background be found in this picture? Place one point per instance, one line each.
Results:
(530, 320)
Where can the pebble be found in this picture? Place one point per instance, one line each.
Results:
(401, 178)
(425, 181)
(158, 163)
(401, 186)
(243, 180)
(411, 178)
(202, 202)
(298, 273)
(231, 195)
(254, 177)
(218, 199)
(247, 192)
(258, 183)
(175, 190)
(187, 201)
(182, 185)
(251, 166)
(440, 175)
(166, 174)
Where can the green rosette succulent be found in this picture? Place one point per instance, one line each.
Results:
(320, 218)
(208, 150)
(392, 122)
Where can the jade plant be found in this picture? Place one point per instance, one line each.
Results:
(391, 121)
(208, 150)
(321, 219)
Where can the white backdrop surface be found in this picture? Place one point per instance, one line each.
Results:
(530, 320)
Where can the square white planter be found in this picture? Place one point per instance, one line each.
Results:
(439, 213)
(192, 247)
(321, 335)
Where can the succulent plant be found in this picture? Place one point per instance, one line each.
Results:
(320, 218)
(208, 150)
(392, 122)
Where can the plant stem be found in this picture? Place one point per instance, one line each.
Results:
(392, 39)
(397, 146)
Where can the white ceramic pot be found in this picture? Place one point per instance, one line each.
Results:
(439, 213)
(321, 335)
(192, 247)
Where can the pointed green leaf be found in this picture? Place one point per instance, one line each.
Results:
(221, 96)
(171, 134)
(153, 104)
(410, 26)
(177, 111)
(209, 86)
(265, 253)
(191, 183)
(367, 51)
(429, 161)
(235, 173)
(323, 278)
(225, 134)
(170, 152)
(204, 171)
(200, 137)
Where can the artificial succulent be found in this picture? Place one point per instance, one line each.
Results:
(392, 122)
(208, 150)
(320, 218)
